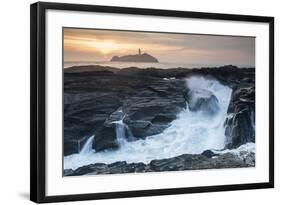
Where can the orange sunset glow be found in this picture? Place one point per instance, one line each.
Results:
(101, 45)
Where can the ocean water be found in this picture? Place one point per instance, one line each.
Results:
(121, 65)
(191, 133)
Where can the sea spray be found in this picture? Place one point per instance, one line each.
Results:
(191, 133)
(87, 147)
(123, 132)
(120, 131)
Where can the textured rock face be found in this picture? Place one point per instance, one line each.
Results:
(93, 99)
(105, 138)
(240, 124)
(94, 95)
(179, 163)
(84, 113)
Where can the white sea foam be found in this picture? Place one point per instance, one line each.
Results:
(241, 151)
(87, 147)
(190, 133)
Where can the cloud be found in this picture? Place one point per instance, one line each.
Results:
(93, 44)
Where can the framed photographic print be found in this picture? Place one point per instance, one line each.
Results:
(129, 102)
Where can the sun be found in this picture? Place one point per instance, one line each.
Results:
(102, 46)
(106, 47)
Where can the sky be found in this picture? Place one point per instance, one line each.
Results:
(101, 45)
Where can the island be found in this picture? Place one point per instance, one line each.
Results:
(140, 57)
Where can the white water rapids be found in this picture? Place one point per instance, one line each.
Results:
(191, 133)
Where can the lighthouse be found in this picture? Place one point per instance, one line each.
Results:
(139, 51)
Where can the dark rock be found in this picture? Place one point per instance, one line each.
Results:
(171, 164)
(250, 159)
(240, 124)
(67, 172)
(114, 117)
(90, 70)
(100, 168)
(117, 164)
(139, 167)
(118, 167)
(94, 94)
(151, 114)
(142, 129)
(195, 162)
(179, 163)
(84, 114)
(105, 138)
(139, 128)
(208, 153)
(93, 102)
(89, 169)
(163, 118)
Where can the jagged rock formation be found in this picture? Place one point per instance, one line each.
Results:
(240, 124)
(92, 98)
(179, 163)
(94, 94)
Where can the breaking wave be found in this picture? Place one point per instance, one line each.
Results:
(195, 130)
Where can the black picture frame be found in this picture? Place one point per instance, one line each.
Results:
(38, 101)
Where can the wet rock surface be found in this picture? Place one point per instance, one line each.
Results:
(179, 163)
(240, 124)
(92, 100)
(150, 100)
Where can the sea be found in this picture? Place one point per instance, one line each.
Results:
(163, 65)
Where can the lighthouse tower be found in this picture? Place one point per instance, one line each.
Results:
(139, 51)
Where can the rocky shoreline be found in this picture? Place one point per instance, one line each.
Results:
(206, 160)
(94, 97)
